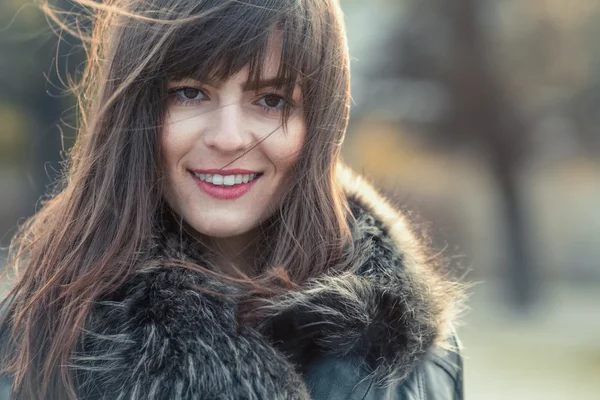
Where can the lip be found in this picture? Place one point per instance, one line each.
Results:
(224, 192)
(225, 172)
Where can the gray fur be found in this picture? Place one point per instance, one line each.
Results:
(158, 338)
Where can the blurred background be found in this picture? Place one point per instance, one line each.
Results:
(478, 117)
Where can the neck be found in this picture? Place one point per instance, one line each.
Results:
(233, 254)
(230, 255)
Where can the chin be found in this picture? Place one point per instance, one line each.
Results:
(224, 233)
(223, 229)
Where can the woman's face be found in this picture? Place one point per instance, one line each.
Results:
(210, 126)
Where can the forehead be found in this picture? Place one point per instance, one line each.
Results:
(262, 58)
(266, 73)
(272, 56)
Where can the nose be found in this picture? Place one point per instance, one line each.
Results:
(226, 132)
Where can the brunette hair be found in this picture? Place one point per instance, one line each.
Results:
(89, 236)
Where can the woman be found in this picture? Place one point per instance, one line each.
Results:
(206, 242)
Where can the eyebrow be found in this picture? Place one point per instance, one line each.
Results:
(251, 85)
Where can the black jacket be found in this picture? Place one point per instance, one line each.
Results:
(380, 331)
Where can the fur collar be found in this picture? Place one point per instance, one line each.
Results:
(155, 337)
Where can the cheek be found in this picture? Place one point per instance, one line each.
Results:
(176, 141)
(177, 138)
(169, 141)
(168, 150)
(284, 151)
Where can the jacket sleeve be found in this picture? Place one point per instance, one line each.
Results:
(438, 377)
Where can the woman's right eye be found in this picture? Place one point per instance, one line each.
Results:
(187, 95)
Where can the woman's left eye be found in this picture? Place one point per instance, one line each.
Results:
(272, 102)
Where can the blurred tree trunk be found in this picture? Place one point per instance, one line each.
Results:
(446, 42)
(482, 111)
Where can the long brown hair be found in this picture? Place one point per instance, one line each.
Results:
(90, 234)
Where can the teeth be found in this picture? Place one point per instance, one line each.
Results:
(226, 180)
(229, 180)
(217, 179)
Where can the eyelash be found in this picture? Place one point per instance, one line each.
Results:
(174, 94)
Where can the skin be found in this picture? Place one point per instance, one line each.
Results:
(211, 126)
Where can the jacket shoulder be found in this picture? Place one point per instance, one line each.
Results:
(438, 377)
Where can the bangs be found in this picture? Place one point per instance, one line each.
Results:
(228, 39)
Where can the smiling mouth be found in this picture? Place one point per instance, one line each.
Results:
(227, 180)
(225, 187)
